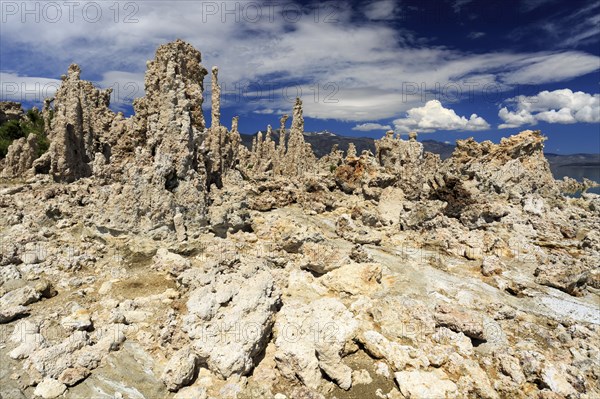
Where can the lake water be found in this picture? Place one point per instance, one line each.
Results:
(579, 172)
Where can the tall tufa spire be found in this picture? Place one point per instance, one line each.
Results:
(215, 99)
(297, 119)
(282, 121)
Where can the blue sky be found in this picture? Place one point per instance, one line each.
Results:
(447, 69)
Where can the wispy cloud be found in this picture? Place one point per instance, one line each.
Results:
(530, 5)
(382, 10)
(476, 35)
(458, 5)
(15, 87)
(367, 127)
(579, 26)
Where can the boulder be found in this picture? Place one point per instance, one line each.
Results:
(49, 388)
(425, 384)
(230, 319)
(181, 369)
(312, 338)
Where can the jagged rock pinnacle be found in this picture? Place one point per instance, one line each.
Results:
(215, 99)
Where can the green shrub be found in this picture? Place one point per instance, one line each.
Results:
(15, 129)
(9, 132)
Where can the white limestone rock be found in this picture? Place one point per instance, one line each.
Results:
(312, 337)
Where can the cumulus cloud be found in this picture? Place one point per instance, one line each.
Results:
(515, 119)
(433, 117)
(366, 127)
(558, 106)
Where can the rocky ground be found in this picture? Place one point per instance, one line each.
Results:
(156, 257)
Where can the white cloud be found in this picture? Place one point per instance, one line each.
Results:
(558, 106)
(381, 10)
(356, 104)
(515, 119)
(366, 127)
(345, 70)
(34, 89)
(265, 111)
(19, 88)
(550, 67)
(563, 115)
(580, 26)
(433, 117)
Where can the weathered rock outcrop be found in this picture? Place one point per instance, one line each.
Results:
(230, 315)
(312, 338)
(215, 99)
(9, 111)
(81, 117)
(20, 156)
(514, 167)
(172, 115)
(407, 163)
(183, 262)
(299, 158)
(165, 175)
(393, 152)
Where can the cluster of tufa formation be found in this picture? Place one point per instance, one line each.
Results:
(155, 256)
(81, 117)
(291, 158)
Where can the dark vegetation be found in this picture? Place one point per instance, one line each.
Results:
(31, 122)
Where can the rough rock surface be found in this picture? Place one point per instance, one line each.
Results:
(20, 156)
(176, 263)
(419, 384)
(180, 370)
(230, 316)
(49, 389)
(171, 120)
(81, 115)
(311, 339)
(10, 110)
